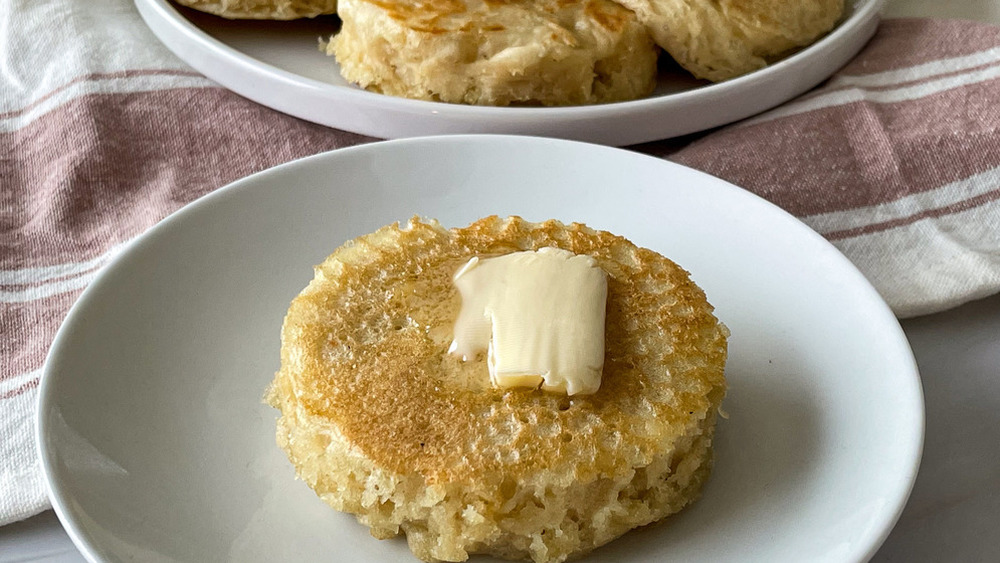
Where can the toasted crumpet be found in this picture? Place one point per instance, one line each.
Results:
(492, 52)
(721, 39)
(383, 423)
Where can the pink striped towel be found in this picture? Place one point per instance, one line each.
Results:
(896, 159)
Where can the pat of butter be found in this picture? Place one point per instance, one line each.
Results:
(539, 315)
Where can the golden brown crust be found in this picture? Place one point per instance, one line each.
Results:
(360, 349)
(426, 17)
(444, 16)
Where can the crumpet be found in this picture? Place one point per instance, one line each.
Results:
(382, 422)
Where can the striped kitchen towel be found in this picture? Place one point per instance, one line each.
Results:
(103, 132)
(895, 159)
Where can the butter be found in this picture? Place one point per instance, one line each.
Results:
(539, 316)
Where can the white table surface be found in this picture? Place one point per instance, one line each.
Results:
(954, 511)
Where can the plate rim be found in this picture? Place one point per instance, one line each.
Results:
(61, 499)
(165, 12)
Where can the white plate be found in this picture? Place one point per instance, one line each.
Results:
(156, 445)
(278, 65)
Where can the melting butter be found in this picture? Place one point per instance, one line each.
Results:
(539, 316)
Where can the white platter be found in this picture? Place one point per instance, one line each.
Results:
(278, 65)
(156, 445)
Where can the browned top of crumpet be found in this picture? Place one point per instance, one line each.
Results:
(365, 346)
(444, 16)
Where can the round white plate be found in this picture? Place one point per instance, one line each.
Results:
(278, 65)
(157, 447)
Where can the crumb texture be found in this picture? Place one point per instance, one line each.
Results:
(381, 422)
